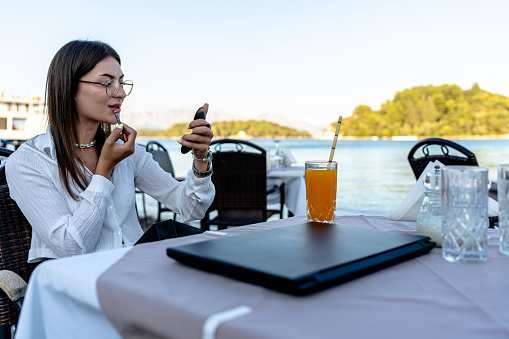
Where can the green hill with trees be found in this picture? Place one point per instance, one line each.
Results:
(252, 128)
(432, 111)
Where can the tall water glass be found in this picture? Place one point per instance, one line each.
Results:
(321, 183)
(503, 207)
(465, 213)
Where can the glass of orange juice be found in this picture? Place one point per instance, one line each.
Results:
(321, 184)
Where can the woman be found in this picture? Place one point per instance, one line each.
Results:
(76, 183)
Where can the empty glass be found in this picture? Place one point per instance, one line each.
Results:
(465, 213)
(276, 158)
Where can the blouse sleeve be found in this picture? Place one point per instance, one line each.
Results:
(31, 185)
(190, 198)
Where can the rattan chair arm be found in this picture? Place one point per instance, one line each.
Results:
(3, 178)
(5, 152)
(13, 285)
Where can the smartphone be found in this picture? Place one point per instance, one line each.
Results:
(201, 113)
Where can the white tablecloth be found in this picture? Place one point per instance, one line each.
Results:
(424, 297)
(61, 300)
(295, 188)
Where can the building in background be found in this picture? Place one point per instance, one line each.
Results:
(21, 117)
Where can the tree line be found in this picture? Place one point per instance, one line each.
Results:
(432, 111)
(223, 129)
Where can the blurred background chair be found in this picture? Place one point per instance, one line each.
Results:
(143, 221)
(240, 179)
(145, 216)
(161, 155)
(419, 164)
(15, 238)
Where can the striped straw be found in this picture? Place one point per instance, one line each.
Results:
(335, 141)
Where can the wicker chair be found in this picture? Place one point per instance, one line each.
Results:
(15, 237)
(240, 179)
(419, 164)
(4, 154)
(160, 154)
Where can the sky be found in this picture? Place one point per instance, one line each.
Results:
(306, 61)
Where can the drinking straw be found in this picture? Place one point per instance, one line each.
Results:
(334, 142)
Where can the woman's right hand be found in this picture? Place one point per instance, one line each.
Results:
(112, 152)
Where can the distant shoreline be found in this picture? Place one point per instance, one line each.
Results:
(395, 138)
(421, 137)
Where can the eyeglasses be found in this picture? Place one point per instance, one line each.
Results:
(113, 86)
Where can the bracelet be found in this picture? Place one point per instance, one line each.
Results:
(208, 158)
(203, 174)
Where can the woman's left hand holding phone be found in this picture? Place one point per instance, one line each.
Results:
(112, 152)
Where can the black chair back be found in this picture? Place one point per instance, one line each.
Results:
(419, 164)
(240, 179)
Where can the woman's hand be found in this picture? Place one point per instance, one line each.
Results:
(112, 152)
(201, 138)
(199, 141)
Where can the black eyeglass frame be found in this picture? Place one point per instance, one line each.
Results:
(117, 88)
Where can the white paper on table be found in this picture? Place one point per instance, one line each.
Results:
(410, 206)
(288, 158)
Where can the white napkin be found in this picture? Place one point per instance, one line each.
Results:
(288, 158)
(492, 207)
(410, 206)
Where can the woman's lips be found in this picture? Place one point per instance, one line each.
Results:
(115, 108)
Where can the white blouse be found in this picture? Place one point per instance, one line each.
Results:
(105, 214)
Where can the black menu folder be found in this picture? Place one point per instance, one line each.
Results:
(302, 259)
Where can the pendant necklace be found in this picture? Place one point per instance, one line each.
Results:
(85, 145)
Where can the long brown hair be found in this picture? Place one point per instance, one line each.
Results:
(69, 65)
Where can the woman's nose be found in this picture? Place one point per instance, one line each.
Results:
(121, 93)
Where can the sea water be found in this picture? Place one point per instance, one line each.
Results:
(373, 176)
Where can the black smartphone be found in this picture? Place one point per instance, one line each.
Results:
(201, 113)
(167, 229)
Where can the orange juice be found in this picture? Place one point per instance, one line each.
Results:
(321, 191)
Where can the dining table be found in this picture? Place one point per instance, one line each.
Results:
(295, 188)
(140, 292)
